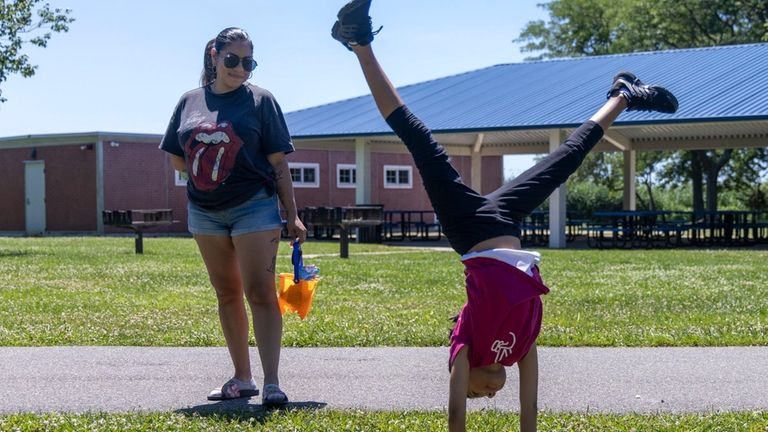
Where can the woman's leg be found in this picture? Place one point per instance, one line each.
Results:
(218, 253)
(256, 254)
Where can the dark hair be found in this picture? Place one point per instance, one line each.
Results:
(224, 38)
(455, 320)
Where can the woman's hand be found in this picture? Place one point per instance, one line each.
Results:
(296, 229)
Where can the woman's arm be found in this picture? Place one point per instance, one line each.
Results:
(178, 163)
(529, 382)
(295, 228)
(457, 398)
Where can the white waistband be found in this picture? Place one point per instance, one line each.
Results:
(521, 259)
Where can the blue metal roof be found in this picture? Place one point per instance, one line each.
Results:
(712, 84)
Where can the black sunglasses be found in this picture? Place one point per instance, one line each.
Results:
(232, 60)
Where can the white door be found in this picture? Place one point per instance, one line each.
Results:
(34, 197)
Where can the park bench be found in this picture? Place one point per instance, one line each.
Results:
(137, 221)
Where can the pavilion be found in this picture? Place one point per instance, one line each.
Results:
(530, 107)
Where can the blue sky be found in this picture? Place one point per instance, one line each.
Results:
(124, 64)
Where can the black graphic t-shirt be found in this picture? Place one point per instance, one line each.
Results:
(225, 140)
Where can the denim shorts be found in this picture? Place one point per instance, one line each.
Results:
(259, 213)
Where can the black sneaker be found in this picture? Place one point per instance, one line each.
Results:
(354, 26)
(642, 97)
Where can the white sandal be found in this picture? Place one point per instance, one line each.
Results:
(233, 389)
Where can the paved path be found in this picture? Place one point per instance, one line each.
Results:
(121, 379)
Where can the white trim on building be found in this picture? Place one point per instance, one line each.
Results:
(305, 174)
(346, 176)
(398, 177)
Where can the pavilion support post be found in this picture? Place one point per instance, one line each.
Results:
(363, 168)
(630, 173)
(557, 200)
(477, 164)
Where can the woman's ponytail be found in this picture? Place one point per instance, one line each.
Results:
(209, 70)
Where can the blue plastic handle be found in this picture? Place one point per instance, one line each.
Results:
(297, 261)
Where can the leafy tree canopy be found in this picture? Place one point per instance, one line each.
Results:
(597, 27)
(26, 22)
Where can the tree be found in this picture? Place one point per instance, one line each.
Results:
(746, 175)
(603, 169)
(647, 161)
(598, 27)
(25, 22)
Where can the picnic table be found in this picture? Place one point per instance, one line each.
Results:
(635, 228)
(345, 219)
(411, 225)
(647, 228)
(535, 228)
(138, 221)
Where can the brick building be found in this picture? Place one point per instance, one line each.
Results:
(83, 174)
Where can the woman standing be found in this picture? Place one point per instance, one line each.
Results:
(231, 139)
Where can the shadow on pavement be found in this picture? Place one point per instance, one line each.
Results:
(243, 409)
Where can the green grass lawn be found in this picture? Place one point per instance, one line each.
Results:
(314, 421)
(96, 291)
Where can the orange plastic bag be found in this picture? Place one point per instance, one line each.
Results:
(296, 297)
(296, 290)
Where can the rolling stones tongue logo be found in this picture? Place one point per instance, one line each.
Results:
(211, 152)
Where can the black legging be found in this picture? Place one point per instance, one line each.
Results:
(466, 216)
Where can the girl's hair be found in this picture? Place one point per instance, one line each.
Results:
(224, 38)
(455, 319)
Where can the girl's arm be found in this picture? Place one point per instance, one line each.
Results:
(177, 162)
(295, 228)
(529, 381)
(457, 398)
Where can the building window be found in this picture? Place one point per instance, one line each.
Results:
(398, 177)
(305, 175)
(181, 178)
(346, 176)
